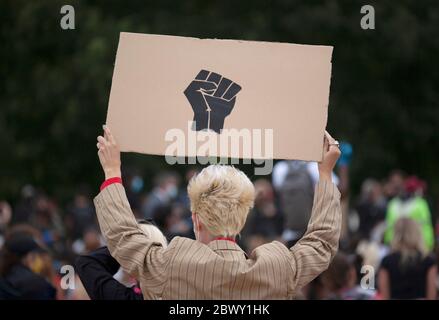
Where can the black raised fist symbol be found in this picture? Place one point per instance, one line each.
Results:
(212, 98)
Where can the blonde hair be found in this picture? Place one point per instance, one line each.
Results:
(221, 196)
(408, 240)
(154, 234)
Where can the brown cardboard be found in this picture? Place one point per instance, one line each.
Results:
(284, 87)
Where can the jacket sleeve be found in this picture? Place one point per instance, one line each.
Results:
(96, 272)
(138, 255)
(312, 254)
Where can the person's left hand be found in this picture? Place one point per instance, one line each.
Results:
(109, 154)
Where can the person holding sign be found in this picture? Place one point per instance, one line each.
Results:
(213, 266)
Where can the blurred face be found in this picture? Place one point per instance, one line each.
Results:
(81, 201)
(396, 183)
(265, 197)
(377, 192)
(42, 204)
(175, 216)
(190, 174)
(34, 261)
(170, 187)
(5, 214)
(92, 241)
(264, 191)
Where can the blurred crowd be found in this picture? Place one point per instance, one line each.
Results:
(387, 248)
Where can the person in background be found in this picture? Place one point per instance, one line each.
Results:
(371, 207)
(135, 185)
(343, 168)
(183, 197)
(408, 272)
(264, 223)
(25, 207)
(22, 266)
(295, 189)
(49, 266)
(341, 282)
(164, 192)
(411, 204)
(370, 253)
(5, 219)
(97, 269)
(90, 241)
(179, 224)
(46, 218)
(394, 186)
(315, 290)
(294, 182)
(80, 215)
(171, 220)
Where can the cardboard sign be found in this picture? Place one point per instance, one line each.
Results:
(166, 88)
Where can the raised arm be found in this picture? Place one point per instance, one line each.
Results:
(129, 245)
(312, 254)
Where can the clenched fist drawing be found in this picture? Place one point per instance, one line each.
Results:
(212, 98)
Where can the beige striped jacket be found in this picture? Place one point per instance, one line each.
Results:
(189, 269)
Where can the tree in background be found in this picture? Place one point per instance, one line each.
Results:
(55, 83)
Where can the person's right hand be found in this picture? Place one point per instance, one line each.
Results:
(331, 153)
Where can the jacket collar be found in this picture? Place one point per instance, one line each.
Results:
(227, 248)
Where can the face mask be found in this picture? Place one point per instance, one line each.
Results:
(172, 191)
(37, 265)
(136, 184)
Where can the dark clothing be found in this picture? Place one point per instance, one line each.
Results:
(296, 197)
(408, 281)
(262, 225)
(82, 217)
(96, 272)
(22, 284)
(23, 211)
(370, 215)
(7, 292)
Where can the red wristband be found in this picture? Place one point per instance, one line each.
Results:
(109, 181)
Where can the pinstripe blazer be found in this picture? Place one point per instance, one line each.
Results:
(189, 269)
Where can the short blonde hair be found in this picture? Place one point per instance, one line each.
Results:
(221, 196)
(154, 234)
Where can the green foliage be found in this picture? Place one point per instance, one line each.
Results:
(55, 83)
